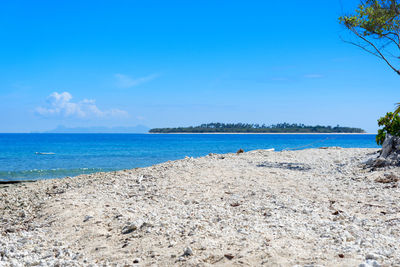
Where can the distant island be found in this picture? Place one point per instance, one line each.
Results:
(257, 128)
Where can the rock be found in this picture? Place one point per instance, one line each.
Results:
(235, 204)
(187, 251)
(240, 151)
(348, 237)
(389, 155)
(379, 162)
(387, 146)
(396, 143)
(87, 218)
(388, 178)
(137, 260)
(370, 263)
(394, 158)
(393, 177)
(229, 256)
(371, 257)
(370, 162)
(142, 187)
(129, 228)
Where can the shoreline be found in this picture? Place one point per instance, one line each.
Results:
(312, 206)
(199, 133)
(7, 182)
(280, 133)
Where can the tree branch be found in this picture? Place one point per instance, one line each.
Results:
(375, 48)
(362, 47)
(386, 35)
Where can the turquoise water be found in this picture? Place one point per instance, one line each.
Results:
(76, 154)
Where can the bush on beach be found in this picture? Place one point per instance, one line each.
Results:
(391, 125)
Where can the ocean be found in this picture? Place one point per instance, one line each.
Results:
(44, 156)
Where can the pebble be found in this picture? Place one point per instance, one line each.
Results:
(370, 263)
(188, 251)
(87, 218)
(371, 256)
(142, 188)
(129, 228)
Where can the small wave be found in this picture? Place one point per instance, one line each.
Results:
(36, 174)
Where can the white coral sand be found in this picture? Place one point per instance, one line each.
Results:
(308, 207)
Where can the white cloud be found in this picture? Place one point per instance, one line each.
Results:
(60, 104)
(124, 81)
(313, 76)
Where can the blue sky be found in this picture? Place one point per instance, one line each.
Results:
(181, 63)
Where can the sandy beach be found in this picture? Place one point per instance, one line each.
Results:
(313, 207)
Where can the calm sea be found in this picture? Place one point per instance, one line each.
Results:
(76, 154)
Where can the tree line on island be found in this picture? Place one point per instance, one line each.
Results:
(257, 128)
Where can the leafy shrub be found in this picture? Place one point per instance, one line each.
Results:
(391, 125)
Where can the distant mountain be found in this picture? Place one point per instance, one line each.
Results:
(100, 129)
